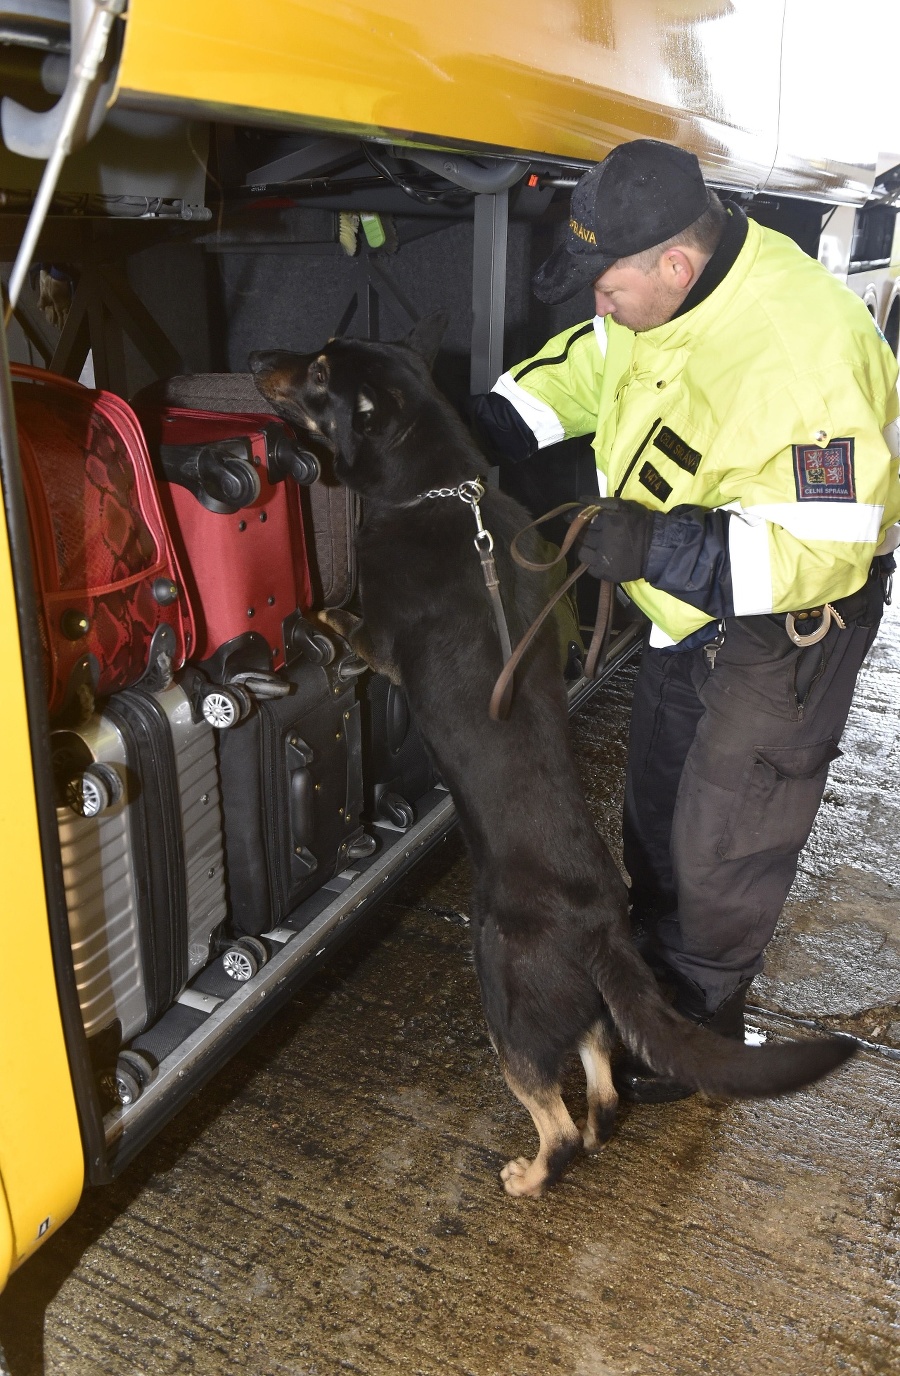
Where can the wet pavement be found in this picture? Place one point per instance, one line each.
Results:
(331, 1203)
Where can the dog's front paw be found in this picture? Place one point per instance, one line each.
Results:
(344, 623)
(523, 1178)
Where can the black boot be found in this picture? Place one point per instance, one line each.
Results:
(638, 1084)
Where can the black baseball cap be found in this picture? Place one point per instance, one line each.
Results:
(640, 195)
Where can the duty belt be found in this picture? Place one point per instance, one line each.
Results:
(817, 620)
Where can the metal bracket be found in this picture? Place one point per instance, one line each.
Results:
(489, 289)
(373, 281)
(103, 307)
(318, 156)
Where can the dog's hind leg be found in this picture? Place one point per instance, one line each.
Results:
(602, 1098)
(559, 1140)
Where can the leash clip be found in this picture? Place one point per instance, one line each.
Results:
(471, 493)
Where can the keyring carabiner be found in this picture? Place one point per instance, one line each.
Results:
(828, 615)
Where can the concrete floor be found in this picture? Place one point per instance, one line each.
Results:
(331, 1203)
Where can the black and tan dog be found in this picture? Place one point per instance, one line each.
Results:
(553, 954)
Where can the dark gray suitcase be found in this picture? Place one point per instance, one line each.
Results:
(397, 769)
(292, 792)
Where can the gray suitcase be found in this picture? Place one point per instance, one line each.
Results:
(140, 825)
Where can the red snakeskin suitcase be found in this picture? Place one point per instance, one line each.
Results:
(106, 571)
(229, 489)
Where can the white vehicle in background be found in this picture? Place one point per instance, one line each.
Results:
(873, 270)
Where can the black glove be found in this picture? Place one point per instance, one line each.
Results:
(616, 543)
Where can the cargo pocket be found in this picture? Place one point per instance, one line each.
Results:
(777, 806)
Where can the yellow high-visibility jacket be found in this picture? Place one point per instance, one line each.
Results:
(775, 398)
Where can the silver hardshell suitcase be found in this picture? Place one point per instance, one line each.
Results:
(140, 825)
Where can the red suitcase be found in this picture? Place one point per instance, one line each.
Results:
(107, 574)
(228, 485)
(330, 509)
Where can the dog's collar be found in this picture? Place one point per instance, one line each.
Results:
(471, 492)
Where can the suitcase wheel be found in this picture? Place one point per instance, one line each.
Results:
(132, 1074)
(224, 707)
(324, 647)
(313, 645)
(242, 960)
(396, 810)
(362, 846)
(351, 667)
(288, 459)
(227, 481)
(94, 790)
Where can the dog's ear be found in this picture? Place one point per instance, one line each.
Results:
(425, 337)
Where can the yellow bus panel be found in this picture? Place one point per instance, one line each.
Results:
(565, 77)
(736, 83)
(41, 1161)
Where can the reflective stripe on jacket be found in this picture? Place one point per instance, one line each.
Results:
(774, 399)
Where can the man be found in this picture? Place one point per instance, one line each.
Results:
(744, 408)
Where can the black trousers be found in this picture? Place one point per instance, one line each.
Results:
(726, 770)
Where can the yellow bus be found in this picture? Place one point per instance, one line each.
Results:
(267, 175)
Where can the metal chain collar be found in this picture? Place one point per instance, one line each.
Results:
(471, 491)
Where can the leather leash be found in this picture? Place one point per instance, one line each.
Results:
(471, 493)
(501, 697)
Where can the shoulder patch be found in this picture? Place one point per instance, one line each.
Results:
(825, 475)
(677, 450)
(655, 483)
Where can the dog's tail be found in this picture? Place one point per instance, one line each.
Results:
(692, 1054)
